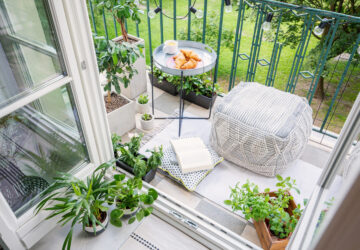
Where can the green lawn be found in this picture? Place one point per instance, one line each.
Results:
(226, 55)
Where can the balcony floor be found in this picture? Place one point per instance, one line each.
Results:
(207, 198)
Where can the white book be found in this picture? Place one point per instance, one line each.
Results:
(192, 154)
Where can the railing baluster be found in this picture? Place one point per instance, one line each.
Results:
(149, 26)
(161, 23)
(189, 21)
(92, 17)
(174, 20)
(204, 22)
(219, 40)
(238, 46)
(334, 29)
(105, 26)
(235, 45)
(115, 27)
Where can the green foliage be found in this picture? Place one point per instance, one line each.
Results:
(127, 196)
(146, 117)
(117, 60)
(345, 37)
(77, 201)
(200, 84)
(121, 10)
(143, 99)
(129, 154)
(260, 206)
(212, 30)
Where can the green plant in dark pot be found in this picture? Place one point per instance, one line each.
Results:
(78, 201)
(129, 200)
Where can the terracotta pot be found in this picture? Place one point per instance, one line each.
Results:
(99, 228)
(267, 239)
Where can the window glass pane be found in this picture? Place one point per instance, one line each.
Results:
(28, 49)
(36, 142)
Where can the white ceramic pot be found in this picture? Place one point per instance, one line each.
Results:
(138, 84)
(129, 212)
(147, 125)
(99, 228)
(122, 120)
(142, 108)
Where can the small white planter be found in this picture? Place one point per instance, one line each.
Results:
(122, 120)
(147, 125)
(138, 83)
(129, 212)
(142, 108)
(99, 228)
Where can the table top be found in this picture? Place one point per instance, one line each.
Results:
(165, 63)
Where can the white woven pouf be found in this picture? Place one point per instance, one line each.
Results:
(261, 128)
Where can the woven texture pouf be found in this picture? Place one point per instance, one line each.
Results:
(261, 128)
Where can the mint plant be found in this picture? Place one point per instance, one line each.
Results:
(143, 99)
(146, 117)
(260, 206)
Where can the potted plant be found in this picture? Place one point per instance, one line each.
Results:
(198, 90)
(142, 105)
(147, 122)
(128, 158)
(129, 200)
(274, 214)
(164, 81)
(114, 58)
(79, 201)
(124, 10)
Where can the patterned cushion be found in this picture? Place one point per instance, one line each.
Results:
(190, 180)
(261, 128)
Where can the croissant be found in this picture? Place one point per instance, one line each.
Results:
(180, 60)
(186, 53)
(194, 56)
(189, 65)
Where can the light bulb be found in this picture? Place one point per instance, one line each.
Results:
(152, 13)
(228, 8)
(199, 14)
(266, 26)
(318, 31)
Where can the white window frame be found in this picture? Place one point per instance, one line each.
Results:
(77, 51)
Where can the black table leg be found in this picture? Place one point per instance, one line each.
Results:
(152, 86)
(181, 106)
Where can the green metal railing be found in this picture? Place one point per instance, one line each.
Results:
(250, 58)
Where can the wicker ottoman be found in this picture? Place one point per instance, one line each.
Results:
(261, 128)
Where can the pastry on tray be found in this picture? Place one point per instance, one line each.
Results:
(180, 60)
(191, 64)
(186, 59)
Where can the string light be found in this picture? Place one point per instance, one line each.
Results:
(319, 30)
(152, 13)
(266, 26)
(228, 6)
(198, 13)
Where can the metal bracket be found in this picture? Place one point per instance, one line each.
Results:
(306, 74)
(244, 56)
(266, 62)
